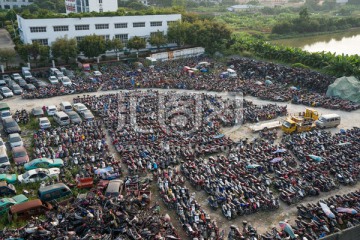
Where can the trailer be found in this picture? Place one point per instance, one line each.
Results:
(265, 126)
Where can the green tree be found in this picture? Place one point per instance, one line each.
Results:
(158, 39)
(136, 43)
(33, 51)
(304, 15)
(92, 46)
(177, 32)
(6, 55)
(116, 45)
(64, 48)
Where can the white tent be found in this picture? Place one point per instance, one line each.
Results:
(347, 88)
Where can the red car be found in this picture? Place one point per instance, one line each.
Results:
(20, 155)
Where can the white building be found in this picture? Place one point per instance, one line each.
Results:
(9, 4)
(45, 31)
(78, 6)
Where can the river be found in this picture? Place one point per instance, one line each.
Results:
(340, 43)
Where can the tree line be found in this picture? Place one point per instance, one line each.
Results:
(307, 24)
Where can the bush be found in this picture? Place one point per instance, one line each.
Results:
(300, 65)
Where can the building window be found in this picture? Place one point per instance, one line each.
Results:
(105, 37)
(170, 22)
(78, 39)
(120, 25)
(138, 24)
(152, 34)
(100, 1)
(122, 37)
(101, 26)
(37, 29)
(155, 24)
(61, 28)
(82, 27)
(41, 41)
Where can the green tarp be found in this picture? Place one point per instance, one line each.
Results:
(347, 88)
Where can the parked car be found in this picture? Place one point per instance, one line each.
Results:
(44, 123)
(74, 117)
(6, 203)
(69, 73)
(2, 145)
(17, 90)
(12, 83)
(9, 178)
(29, 87)
(53, 80)
(6, 78)
(16, 76)
(7, 189)
(22, 82)
(97, 73)
(31, 80)
(11, 126)
(37, 112)
(15, 140)
(29, 209)
(5, 114)
(20, 155)
(51, 110)
(87, 115)
(39, 84)
(66, 81)
(44, 163)
(2, 83)
(79, 107)
(38, 174)
(6, 92)
(53, 192)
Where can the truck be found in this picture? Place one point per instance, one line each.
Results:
(265, 126)
(26, 72)
(302, 122)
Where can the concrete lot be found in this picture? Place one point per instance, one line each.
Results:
(5, 39)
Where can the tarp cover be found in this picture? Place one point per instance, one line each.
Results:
(347, 88)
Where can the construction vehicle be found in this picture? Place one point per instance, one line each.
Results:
(302, 122)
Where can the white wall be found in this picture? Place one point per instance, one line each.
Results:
(27, 36)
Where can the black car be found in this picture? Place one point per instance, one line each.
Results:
(11, 126)
(29, 87)
(7, 189)
(39, 84)
(37, 112)
(31, 80)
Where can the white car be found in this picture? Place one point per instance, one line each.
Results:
(66, 81)
(38, 174)
(51, 110)
(44, 123)
(16, 76)
(2, 145)
(53, 80)
(5, 114)
(6, 92)
(79, 107)
(97, 73)
(15, 140)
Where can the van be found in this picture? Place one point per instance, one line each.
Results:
(65, 106)
(58, 74)
(231, 72)
(61, 118)
(26, 210)
(328, 121)
(4, 159)
(114, 188)
(53, 70)
(53, 192)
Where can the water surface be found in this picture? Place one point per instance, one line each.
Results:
(339, 43)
